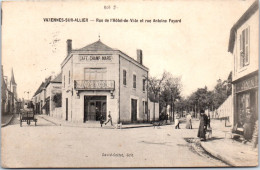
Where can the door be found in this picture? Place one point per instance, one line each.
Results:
(98, 110)
(91, 114)
(67, 114)
(94, 106)
(104, 109)
(133, 110)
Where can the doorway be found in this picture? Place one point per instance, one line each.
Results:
(94, 106)
(133, 110)
(67, 112)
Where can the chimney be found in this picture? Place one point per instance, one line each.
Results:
(69, 46)
(139, 56)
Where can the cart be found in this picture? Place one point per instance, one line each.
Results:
(27, 116)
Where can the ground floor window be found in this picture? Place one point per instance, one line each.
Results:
(247, 111)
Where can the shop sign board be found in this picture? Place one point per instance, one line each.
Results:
(247, 84)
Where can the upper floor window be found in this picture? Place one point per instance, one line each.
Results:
(244, 47)
(95, 74)
(134, 81)
(124, 77)
(143, 84)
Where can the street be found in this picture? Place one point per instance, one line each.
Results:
(49, 145)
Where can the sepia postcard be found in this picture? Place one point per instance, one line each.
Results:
(129, 84)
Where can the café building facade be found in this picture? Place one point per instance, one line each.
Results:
(243, 44)
(98, 79)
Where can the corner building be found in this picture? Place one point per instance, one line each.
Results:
(97, 79)
(244, 46)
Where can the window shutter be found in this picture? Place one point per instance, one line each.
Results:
(241, 51)
(247, 39)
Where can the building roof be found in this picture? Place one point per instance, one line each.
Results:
(58, 79)
(42, 86)
(250, 11)
(96, 46)
(12, 78)
(38, 90)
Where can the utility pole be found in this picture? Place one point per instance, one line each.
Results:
(28, 92)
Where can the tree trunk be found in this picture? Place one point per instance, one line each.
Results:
(172, 111)
(154, 111)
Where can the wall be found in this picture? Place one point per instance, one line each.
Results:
(253, 23)
(226, 109)
(51, 90)
(150, 110)
(77, 66)
(127, 92)
(67, 89)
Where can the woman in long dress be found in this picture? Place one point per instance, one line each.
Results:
(177, 122)
(188, 122)
(202, 126)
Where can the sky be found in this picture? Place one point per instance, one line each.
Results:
(195, 49)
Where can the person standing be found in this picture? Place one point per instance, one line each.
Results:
(188, 121)
(202, 126)
(208, 121)
(101, 119)
(248, 125)
(109, 119)
(255, 135)
(177, 122)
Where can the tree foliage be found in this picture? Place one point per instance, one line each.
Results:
(57, 98)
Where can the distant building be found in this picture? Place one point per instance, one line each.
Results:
(54, 97)
(9, 94)
(44, 95)
(244, 45)
(39, 97)
(98, 79)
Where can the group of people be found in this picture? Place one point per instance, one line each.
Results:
(102, 119)
(204, 124)
(188, 121)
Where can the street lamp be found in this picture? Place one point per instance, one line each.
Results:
(28, 92)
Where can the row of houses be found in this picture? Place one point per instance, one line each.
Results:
(242, 106)
(47, 98)
(95, 80)
(9, 99)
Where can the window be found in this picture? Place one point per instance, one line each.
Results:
(124, 77)
(244, 47)
(134, 81)
(69, 77)
(95, 74)
(145, 107)
(144, 85)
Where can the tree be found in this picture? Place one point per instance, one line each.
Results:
(220, 93)
(57, 98)
(229, 84)
(154, 88)
(171, 91)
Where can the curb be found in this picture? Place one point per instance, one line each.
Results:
(58, 124)
(8, 121)
(225, 159)
(71, 125)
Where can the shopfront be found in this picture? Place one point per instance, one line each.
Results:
(94, 107)
(246, 102)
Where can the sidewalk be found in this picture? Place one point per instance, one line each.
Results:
(90, 124)
(228, 150)
(6, 119)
